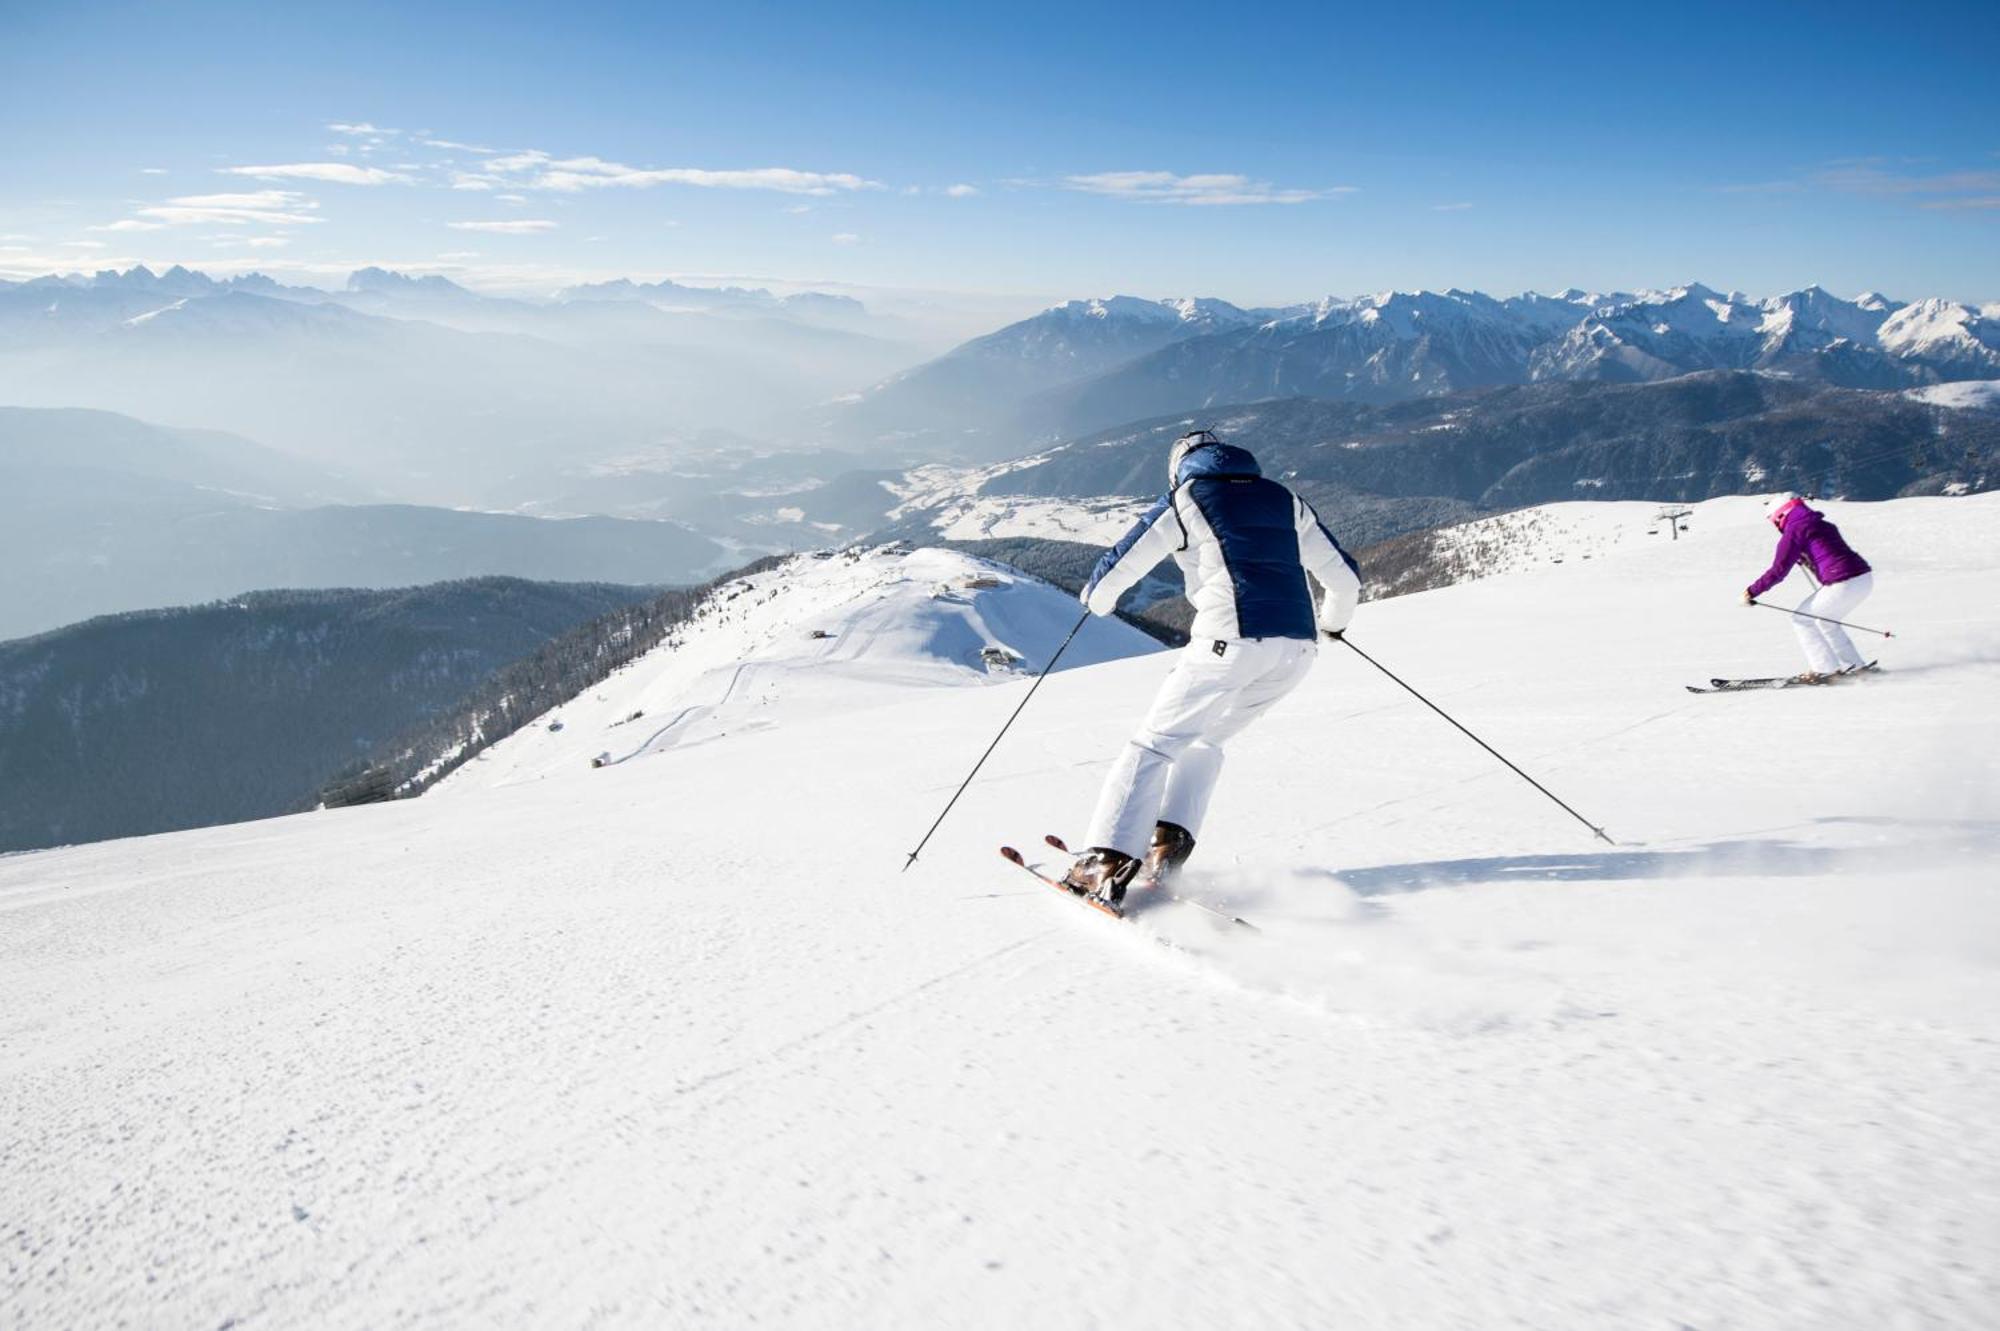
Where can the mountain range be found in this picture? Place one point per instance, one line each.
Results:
(818, 306)
(1378, 470)
(425, 390)
(1396, 411)
(1089, 365)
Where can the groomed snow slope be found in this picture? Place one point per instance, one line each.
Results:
(856, 629)
(674, 1042)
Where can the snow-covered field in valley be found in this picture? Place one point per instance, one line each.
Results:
(956, 511)
(674, 1042)
(1967, 395)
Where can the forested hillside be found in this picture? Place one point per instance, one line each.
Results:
(551, 674)
(164, 719)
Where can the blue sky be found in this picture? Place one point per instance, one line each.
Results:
(1261, 153)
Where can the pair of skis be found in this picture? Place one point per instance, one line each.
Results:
(1143, 890)
(1779, 681)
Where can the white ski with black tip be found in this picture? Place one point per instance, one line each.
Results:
(1720, 685)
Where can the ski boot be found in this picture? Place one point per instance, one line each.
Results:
(1172, 844)
(1101, 873)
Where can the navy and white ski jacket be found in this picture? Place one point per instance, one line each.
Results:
(1244, 544)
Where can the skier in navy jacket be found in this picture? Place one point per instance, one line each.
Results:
(1244, 544)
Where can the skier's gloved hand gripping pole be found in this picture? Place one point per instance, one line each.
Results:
(1341, 637)
(996, 739)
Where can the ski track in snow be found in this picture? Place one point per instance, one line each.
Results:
(675, 1042)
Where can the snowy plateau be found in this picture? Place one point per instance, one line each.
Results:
(1968, 395)
(675, 1041)
(948, 501)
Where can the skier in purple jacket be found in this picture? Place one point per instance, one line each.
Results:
(1806, 539)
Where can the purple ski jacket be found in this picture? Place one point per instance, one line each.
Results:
(1807, 538)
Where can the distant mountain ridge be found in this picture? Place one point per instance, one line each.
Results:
(1378, 470)
(100, 513)
(1090, 365)
(970, 400)
(667, 294)
(429, 391)
(179, 281)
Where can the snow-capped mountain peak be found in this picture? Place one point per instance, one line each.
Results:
(1141, 310)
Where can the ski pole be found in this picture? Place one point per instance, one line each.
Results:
(1807, 614)
(996, 741)
(1595, 830)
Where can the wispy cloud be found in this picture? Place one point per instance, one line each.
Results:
(1887, 178)
(961, 191)
(1872, 179)
(22, 261)
(264, 207)
(451, 146)
(152, 170)
(519, 161)
(845, 238)
(1194, 191)
(332, 173)
(1449, 207)
(82, 244)
(253, 242)
(1945, 191)
(541, 171)
(128, 224)
(358, 129)
(524, 227)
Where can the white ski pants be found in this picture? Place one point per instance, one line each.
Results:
(1826, 645)
(1168, 770)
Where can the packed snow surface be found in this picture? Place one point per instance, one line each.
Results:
(676, 1042)
(841, 631)
(1551, 533)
